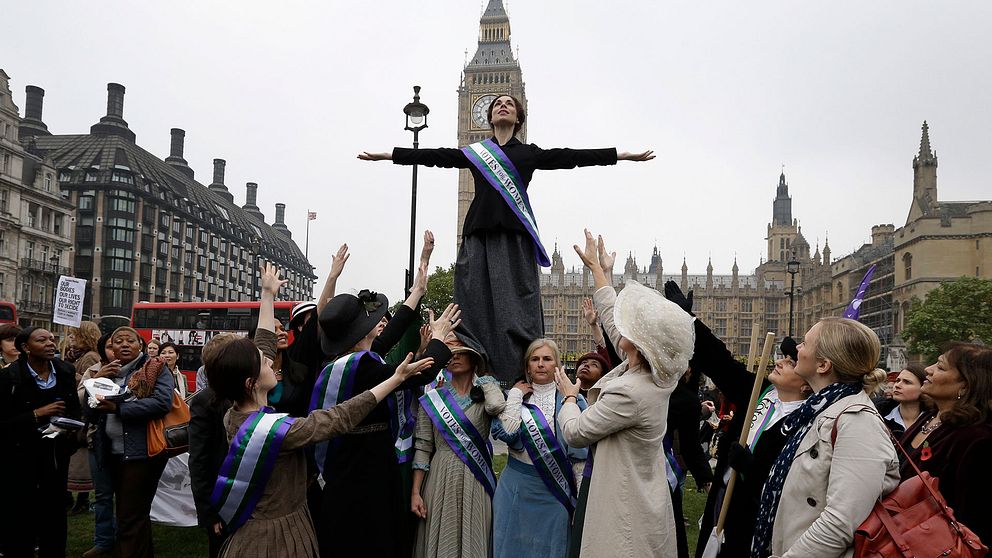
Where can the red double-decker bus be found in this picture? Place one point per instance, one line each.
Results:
(191, 324)
(8, 313)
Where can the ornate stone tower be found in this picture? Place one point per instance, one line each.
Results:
(924, 179)
(493, 71)
(783, 229)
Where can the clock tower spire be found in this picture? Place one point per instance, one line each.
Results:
(494, 70)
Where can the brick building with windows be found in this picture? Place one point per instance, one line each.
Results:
(145, 230)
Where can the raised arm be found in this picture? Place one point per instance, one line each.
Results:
(564, 158)
(337, 266)
(444, 157)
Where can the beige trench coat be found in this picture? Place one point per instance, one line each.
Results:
(830, 489)
(629, 511)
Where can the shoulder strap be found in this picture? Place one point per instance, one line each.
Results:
(936, 496)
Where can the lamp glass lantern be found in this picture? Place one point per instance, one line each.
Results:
(416, 112)
(792, 266)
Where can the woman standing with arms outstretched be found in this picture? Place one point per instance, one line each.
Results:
(496, 273)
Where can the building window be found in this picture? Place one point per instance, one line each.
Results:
(721, 305)
(122, 176)
(48, 181)
(5, 163)
(90, 176)
(65, 176)
(122, 204)
(3, 244)
(1, 285)
(3, 200)
(573, 324)
(907, 265)
(29, 250)
(721, 327)
(771, 306)
(746, 306)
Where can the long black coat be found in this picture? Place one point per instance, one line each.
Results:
(712, 358)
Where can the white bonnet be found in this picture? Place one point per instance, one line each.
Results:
(662, 332)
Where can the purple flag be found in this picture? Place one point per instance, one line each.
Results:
(854, 309)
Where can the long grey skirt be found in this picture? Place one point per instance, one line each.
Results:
(498, 288)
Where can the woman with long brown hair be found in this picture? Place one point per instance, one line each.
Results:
(953, 441)
(501, 248)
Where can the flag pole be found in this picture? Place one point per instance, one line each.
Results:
(306, 246)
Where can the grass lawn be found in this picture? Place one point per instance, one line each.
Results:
(179, 542)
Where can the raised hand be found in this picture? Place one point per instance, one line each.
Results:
(425, 338)
(446, 322)
(589, 312)
(674, 294)
(271, 282)
(565, 386)
(425, 253)
(628, 156)
(338, 260)
(606, 259)
(409, 367)
(368, 156)
(590, 255)
(109, 370)
(419, 286)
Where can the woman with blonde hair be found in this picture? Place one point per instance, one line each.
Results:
(537, 490)
(838, 459)
(85, 340)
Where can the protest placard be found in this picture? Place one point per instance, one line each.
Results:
(69, 301)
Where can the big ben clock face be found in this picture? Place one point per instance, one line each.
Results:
(479, 109)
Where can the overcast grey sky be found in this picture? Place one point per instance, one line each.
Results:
(724, 92)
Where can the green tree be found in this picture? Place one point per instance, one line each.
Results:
(955, 311)
(440, 289)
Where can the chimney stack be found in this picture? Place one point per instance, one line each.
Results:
(175, 157)
(217, 186)
(113, 123)
(32, 124)
(280, 224)
(251, 199)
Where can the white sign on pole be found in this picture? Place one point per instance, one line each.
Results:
(69, 301)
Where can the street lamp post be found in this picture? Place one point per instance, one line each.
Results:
(416, 120)
(792, 268)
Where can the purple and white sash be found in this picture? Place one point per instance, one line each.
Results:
(548, 455)
(335, 384)
(461, 435)
(248, 466)
(402, 423)
(499, 171)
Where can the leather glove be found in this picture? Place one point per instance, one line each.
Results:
(674, 294)
(740, 458)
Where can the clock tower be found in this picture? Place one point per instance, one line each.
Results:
(493, 71)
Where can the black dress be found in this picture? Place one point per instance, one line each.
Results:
(35, 468)
(363, 501)
(496, 274)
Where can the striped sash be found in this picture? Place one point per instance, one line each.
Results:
(461, 435)
(402, 423)
(335, 384)
(499, 171)
(248, 466)
(548, 455)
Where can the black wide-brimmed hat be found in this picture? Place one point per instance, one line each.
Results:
(789, 349)
(348, 318)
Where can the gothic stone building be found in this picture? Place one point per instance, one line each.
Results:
(145, 230)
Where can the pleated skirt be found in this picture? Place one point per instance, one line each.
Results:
(289, 536)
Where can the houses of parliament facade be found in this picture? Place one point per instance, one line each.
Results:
(940, 241)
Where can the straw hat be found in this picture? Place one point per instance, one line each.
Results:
(662, 332)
